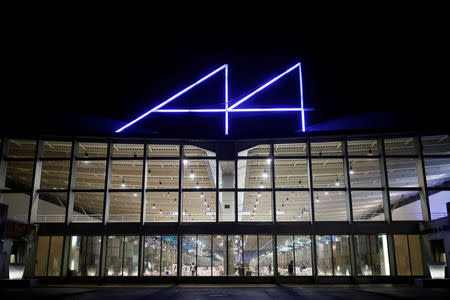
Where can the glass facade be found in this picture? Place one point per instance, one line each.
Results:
(249, 213)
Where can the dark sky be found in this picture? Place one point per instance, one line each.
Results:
(89, 71)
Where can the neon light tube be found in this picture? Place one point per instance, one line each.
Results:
(271, 109)
(170, 99)
(301, 95)
(226, 100)
(190, 110)
(263, 87)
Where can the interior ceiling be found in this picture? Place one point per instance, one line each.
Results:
(201, 173)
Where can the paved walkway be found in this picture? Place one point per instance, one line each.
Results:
(241, 291)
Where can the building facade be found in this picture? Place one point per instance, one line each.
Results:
(336, 208)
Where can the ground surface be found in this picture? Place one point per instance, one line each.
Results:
(242, 291)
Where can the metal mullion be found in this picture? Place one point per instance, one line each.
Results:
(310, 184)
(3, 163)
(211, 252)
(409, 255)
(144, 185)
(228, 254)
(71, 184)
(257, 250)
(48, 253)
(293, 247)
(160, 254)
(180, 189)
(236, 194)
(108, 176)
(274, 200)
(422, 177)
(141, 255)
(384, 182)
(275, 256)
(348, 194)
(352, 254)
(36, 183)
(196, 254)
(332, 256)
(123, 253)
(217, 196)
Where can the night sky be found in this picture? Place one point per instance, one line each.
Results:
(90, 72)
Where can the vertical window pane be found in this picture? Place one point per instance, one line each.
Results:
(326, 149)
(400, 146)
(91, 150)
(199, 207)
(169, 255)
(254, 173)
(55, 175)
(254, 206)
(125, 207)
(19, 175)
(438, 203)
(367, 206)
(406, 205)
(324, 258)
(250, 255)
(21, 148)
(204, 255)
(226, 174)
(18, 204)
(235, 255)
(291, 173)
(402, 172)
(131, 256)
(189, 255)
(90, 174)
(199, 174)
(55, 256)
(328, 173)
(436, 145)
(51, 207)
(84, 257)
(43, 244)
(88, 208)
(152, 255)
(330, 206)
(297, 149)
(128, 150)
(161, 207)
(437, 171)
(226, 207)
(341, 255)
(363, 257)
(219, 255)
(163, 174)
(402, 255)
(285, 255)
(379, 255)
(266, 255)
(114, 255)
(292, 206)
(303, 263)
(126, 174)
(364, 147)
(57, 149)
(415, 253)
(364, 172)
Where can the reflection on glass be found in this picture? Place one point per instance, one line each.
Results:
(19, 175)
(152, 255)
(55, 256)
(21, 148)
(131, 256)
(265, 255)
(302, 253)
(324, 257)
(293, 206)
(189, 253)
(406, 205)
(328, 173)
(285, 255)
(51, 207)
(363, 147)
(84, 256)
(43, 244)
(55, 175)
(437, 171)
(364, 172)
(438, 203)
(18, 204)
(169, 255)
(204, 255)
(330, 206)
(400, 146)
(114, 256)
(371, 255)
(90, 174)
(341, 255)
(367, 206)
(219, 256)
(436, 145)
(235, 267)
(402, 172)
(88, 208)
(402, 255)
(291, 173)
(250, 255)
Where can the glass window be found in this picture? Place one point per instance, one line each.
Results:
(367, 206)
(324, 256)
(125, 207)
(364, 172)
(254, 206)
(408, 253)
(57, 149)
(152, 255)
(291, 173)
(265, 255)
(199, 174)
(293, 206)
(226, 174)
(88, 208)
(437, 171)
(21, 148)
(219, 255)
(126, 174)
(406, 206)
(163, 150)
(285, 255)
(235, 267)
(328, 173)
(194, 151)
(402, 172)
(326, 149)
(250, 255)
(55, 256)
(90, 150)
(163, 174)
(363, 257)
(379, 255)
(296, 149)
(400, 146)
(226, 207)
(259, 150)
(199, 206)
(341, 255)
(302, 253)
(55, 175)
(114, 255)
(19, 175)
(436, 145)
(18, 204)
(189, 255)
(415, 253)
(43, 244)
(362, 148)
(131, 256)
(84, 256)
(254, 173)
(90, 174)
(330, 206)
(438, 203)
(169, 255)
(51, 207)
(162, 207)
(128, 150)
(204, 255)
